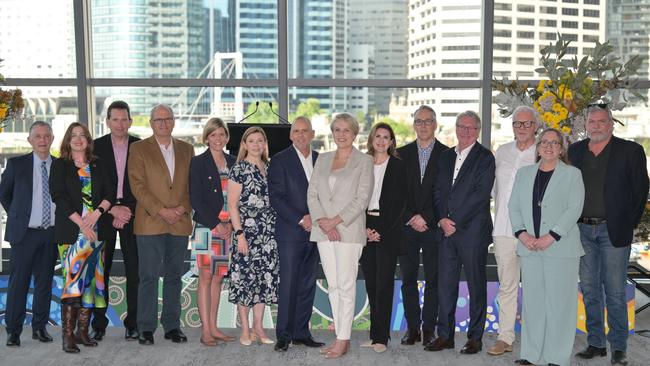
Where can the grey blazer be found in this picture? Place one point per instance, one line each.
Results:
(349, 198)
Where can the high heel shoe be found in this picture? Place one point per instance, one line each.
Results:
(341, 348)
(262, 340)
(208, 342)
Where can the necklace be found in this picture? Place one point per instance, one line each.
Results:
(540, 190)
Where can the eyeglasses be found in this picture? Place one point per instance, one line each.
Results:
(163, 120)
(520, 124)
(551, 143)
(466, 128)
(599, 105)
(420, 122)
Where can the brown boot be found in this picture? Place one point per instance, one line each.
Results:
(81, 337)
(68, 322)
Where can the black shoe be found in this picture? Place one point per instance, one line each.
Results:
(98, 334)
(146, 338)
(619, 358)
(521, 361)
(439, 344)
(592, 351)
(131, 334)
(427, 337)
(308, 342)
(176, 336)
(281, 345)
(471, 347)
(13, 340)
(411, 337)
(42, 335)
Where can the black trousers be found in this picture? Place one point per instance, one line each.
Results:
(427, 316)
(130, 256)
(34, 255)
(378, 263)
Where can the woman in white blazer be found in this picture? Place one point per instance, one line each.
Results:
(544, 207)
(338, 196)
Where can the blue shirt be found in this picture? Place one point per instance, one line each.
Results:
(36, 217)
(424, 153)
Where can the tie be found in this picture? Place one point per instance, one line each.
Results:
(47, 201)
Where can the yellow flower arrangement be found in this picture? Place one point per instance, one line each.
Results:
(11, 104)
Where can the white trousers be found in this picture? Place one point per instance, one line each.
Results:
(340, 263)
(505, 252)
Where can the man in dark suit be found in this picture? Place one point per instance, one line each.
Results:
(25, 195)
(113, 150)
(421, 158)
(288, 177)
(616, 190)
(461, 198)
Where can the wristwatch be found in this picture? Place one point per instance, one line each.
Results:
(239, 232)
(101, 209)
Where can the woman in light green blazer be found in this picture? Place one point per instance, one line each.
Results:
(545, 205)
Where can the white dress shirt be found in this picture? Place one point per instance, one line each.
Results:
(168, 155)
(307, 163)
(461, 156)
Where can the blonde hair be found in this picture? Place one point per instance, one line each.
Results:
(243, 152)
(351, 121)
(212, 125)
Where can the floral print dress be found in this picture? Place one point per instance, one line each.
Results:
(254, 278)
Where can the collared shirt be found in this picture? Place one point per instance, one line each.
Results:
(168, 155)
(594, 170)
(508, 160)
(380, 171)
(424, 153)
(36, 217)
(307, 163)
(119, 152)
(461, 156)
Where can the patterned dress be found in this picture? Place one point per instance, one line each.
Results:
(254, 278)
(83, 261)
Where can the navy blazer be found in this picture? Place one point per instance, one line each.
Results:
(206, 195)
(288, 194)
(626, 186)
(16, 195)
(467, 202)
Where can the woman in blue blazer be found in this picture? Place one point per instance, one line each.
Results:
(545, 205)
(208, 182)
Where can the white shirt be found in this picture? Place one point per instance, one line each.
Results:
(168, 155)
(307, 163)
(380, 171)
(508, 160)
(461, 156)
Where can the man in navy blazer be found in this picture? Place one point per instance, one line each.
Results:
(25, 195)
(288, 178)
(615, 176)
(461, 198)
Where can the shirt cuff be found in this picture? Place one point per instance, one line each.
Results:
(519, 232)
(555, 235)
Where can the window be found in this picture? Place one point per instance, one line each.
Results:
(525, 48)
(525, 21)
(591, 13)
(502, 20)
(526, 8)
(525, 61)
(502, 46)
(589, 25)
(548, 23)
(526, 35)
(570, 11)
(548, 9)
(569, 24)
(502, 6)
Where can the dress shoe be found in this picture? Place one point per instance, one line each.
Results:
(13, 340)
(471, 347)
(146, 338)
(262, 340)
(379, 348)
(521, 361)
(439, 344)
(42, 335)
(499, 348)
(411, 337)
(592, 351)
(427, 337)
(245, 341)
(282, 345)
(176, 336)
(98, 334)
(131, 333)
(308, 342)
(619, 358)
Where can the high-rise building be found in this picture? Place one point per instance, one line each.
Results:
(361, 65)
(628, 29)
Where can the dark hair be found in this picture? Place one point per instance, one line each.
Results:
(118, 104)
(66, 151)
(392, 149)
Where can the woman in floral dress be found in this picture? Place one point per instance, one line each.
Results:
(254, 267)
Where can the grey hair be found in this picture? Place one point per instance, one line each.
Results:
(424, 107)
(596, 108)
(354, 125)
(38, 124)
(472, 115)
(525, 108)
(159, 106)
(302, 118)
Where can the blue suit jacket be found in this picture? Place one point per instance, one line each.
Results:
(206, 195)
(16, 195)
(467, 202)
(288, 194)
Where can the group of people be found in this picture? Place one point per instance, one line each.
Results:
(564, 214)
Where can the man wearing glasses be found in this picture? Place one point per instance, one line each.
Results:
(159, 174)
(461, 199)
(509, 158)
(616, 189)
(421, 159)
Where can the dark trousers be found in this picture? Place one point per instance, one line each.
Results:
(378, 263)
(473, 259)
(34, 255)
(130, 256)
(164, 253)
(409, 264)
(298, 263)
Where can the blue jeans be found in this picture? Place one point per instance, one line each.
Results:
(604, 266)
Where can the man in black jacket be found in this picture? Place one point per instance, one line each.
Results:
(113, 150)
(421, 158)
(616, 189)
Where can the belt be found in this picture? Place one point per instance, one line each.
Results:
(592, 220)
(40, 228)
(373, 213)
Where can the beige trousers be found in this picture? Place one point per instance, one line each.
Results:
(505, 251)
